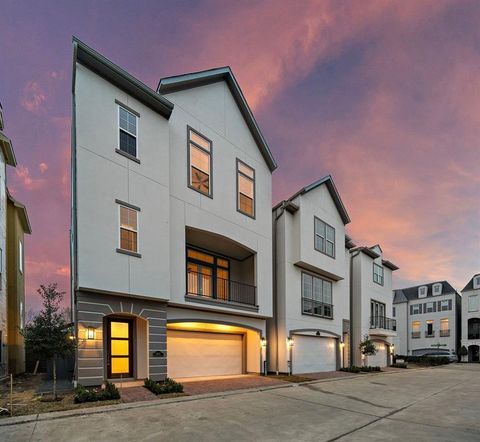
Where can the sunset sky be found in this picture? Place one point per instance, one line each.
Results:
(382, 95)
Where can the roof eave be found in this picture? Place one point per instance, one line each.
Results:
(122, 79)
(7, 150)
(389, 264)
(27, 228)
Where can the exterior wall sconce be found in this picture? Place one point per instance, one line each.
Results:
(392, 349)
(90, 333)
(290, 342)
(342, 344)
(263, 343)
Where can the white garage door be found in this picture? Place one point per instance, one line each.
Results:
(312, 354)
(191, 354)
(380, 358)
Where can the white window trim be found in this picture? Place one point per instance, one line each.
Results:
(120, 229)
(315, 234)
(126, 131)
(420, 291)
(468, 303)
(20, 257)
(382, 275)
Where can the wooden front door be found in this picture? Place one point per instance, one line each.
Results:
(120, 348)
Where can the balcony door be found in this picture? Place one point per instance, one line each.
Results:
(207, 275)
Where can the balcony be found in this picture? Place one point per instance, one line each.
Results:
(223, 290)
(317, 308)
(383, 326)
(444, 333)
(430, 335)
(416, 335)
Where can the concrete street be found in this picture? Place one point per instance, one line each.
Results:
(440, 404)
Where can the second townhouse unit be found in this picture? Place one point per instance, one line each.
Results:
(471, 319)
(171, 225)
(428, 319)
(371, 305)
(310, 326)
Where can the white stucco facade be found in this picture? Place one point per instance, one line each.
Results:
(371, 305)
(303, 337)
(471, 319)
(177, 227)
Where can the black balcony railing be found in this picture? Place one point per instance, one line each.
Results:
(444, 333)
(416, 335)
(474, 335)
(430, 335)
(206, 286)
(317, 308)
(383, 322)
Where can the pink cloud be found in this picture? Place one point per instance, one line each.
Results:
(29, 183)
(33, 97)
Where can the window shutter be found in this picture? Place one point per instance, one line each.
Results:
(411, 309)
(424, 308)
(439, 306)
(449, 304)
(434, 306)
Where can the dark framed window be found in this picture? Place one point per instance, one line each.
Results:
(377, 314)
(128, 229)
(207, 275)
(128, 132)
(324, 237)
(199, 162)
(316, 296)
(245, 189)
(416, 309)
(377, 274)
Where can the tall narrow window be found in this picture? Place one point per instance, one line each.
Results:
(127, 126)
(429, 332)
(324, 238)
(128, 229)
(20, 256)
(200, 163)
(377, 274)
(473, 303)
(246, 189)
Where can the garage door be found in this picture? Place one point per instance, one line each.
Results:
(312, 354)
(191, 354)
(380, 359)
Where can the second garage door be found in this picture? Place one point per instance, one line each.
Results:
(191, 354)
(380, 358)
(313, 354)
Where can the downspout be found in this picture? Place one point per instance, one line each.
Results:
(350, 350)
(275, 304)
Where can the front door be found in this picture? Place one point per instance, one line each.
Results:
(119, 348)
(474, 353)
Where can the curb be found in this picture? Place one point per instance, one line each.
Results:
(17, 420)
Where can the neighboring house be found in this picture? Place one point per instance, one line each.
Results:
(471, 319)
(371, 305)
(7, 157)
(311, 288)
(171, 225)
(428, 318)
(18, 225)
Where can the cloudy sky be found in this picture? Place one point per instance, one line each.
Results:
(382, 95)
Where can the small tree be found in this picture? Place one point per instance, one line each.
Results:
(367, 347)
(462, 352)
(48, 334)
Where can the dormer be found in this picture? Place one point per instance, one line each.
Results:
(422, 291)
(476, 282)
(437, 289)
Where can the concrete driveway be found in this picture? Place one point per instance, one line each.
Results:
(439, 404)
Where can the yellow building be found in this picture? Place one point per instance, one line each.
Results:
(17, 226)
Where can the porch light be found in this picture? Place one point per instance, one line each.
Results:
(90, 333)
(392, 348)
(342, 344)
(263, 343)
(71, 337)
(290, 342)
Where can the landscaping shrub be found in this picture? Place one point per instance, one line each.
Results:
(163, 387)
(399, 365)
(426, 361)
(355, 369)
(83, 394)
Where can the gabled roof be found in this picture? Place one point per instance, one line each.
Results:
(411, 293)
(176, 83)
(22, 210)
(399, 296)
(328, 181)
(367, 250)
(469, 286)
(96, 62)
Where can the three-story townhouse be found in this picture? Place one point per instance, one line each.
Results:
(471, 319)
(371, 305)
(171, 225)
(428, 319)
(311, 316)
